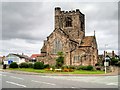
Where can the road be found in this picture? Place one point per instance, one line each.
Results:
(12, 80)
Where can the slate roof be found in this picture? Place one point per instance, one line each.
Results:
(20, 56)
(87, 41)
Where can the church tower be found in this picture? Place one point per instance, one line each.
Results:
(71, 22)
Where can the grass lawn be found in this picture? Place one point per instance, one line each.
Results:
(52, 72)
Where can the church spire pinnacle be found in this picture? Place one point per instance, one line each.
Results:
(94, 32)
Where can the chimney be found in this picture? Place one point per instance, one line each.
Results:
(105, 53)
(113, 54)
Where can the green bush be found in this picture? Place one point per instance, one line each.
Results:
(72, 67)
(82, 68)
(59, 61)
(97, 64)
(118, 64)
(46, 66)
(85, 67)
(23, 65)
(64, 66)
(89, 67)
(38, 65)
(30, 65)
(13, 65)
(114, 61)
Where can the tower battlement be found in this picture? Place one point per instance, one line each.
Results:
(58, 11)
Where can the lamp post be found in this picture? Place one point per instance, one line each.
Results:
(105, 59)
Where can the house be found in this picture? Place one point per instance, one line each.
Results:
(69, 37)
(15, 58)
(110, 54)
(33, 57)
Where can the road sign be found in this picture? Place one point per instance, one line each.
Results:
(106, 63)
(10, 61)
(5, 62)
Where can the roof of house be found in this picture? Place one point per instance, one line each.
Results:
(20, 56)
(35, 55)
(87, 41)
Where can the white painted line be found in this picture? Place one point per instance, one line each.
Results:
(15, 84)
(2, 75)
(112, 84)
(73, 87)
(43, 82)
(16, 77)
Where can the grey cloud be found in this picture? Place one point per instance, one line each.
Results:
(33, 22)
(22, 17)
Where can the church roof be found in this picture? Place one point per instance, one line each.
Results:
(87, 41)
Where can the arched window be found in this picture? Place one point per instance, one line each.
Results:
(68, 21)
(57, 46)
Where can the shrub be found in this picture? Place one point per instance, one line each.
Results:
(65, 70)
(30, 65)
(46, 66)
(23, 65)
(72, 67)
(114, 61)
(118, 64)
(82, 68)
(38, 65)
(64, 67)
(59, 61)
(85, 67)
(97, 64)
(89, 67)
(13, 65)
(98, 68)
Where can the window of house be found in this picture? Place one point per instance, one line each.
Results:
(68, 22)
(57, 46)
(76, 59)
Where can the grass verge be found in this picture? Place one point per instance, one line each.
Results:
(53, 72)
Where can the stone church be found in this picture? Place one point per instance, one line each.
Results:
(69, 37)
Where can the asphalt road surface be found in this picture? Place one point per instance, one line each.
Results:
(12, 80)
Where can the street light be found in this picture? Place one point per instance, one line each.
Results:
(105, 59)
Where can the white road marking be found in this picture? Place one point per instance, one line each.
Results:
(73, 87)
(112, 84)
(2, 75)
(43, 82)
(15, 84)
(16, 77)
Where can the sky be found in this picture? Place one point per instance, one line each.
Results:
(25, 25)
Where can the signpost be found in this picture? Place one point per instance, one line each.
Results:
(106, 63)
(10, 61)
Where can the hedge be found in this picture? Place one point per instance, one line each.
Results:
(23, 65)
(13, 65)
(38, 65)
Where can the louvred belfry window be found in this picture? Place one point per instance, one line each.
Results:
(68, 21)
